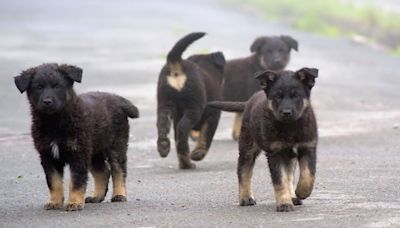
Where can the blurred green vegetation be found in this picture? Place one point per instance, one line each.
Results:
(334, 18)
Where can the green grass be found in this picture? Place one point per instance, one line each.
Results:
(333, 18)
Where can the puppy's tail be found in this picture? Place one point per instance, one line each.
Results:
(130, 110)
(175, 55)
(229, 106)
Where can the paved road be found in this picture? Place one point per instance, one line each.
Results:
(121, 46)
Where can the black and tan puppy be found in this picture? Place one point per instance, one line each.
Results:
(89, 131)
(281, 122)
(184, 87)
(269, 53)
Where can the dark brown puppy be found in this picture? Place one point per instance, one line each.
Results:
(184, 87)
(269, 53)
(89, 131)
(280, 121)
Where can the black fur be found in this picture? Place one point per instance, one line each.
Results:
(88, 131)
(269, 53)
(184, 87)
(281, 122)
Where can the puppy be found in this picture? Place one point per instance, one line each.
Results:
(269, 53)
(184, 87)
(281, 122)
(89, 131)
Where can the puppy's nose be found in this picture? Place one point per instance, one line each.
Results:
(47, 101)
(286, 112)
(276, 61)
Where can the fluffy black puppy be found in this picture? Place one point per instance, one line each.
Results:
(280, 121)
(89, 131)
(269, 53)
(184, 87)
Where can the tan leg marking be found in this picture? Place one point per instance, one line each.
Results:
(237, 125)
(306, 181)
(290, 174)
(118, 183)
(56, 192)
(282, 191)
(100, 183)
(195, 134)
(201, 142)
(245, 190)
(77, 196)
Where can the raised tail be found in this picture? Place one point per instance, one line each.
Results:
(130, 110)
(229, 106)
(175, 55)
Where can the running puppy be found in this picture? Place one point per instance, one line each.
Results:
(281, 122)
(87, 131)
(184, 87)
(269, 53)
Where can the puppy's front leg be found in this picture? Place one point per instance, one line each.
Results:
(307, 161)
(79, 174)
(163, 127)
(54, 177)
(281, 171)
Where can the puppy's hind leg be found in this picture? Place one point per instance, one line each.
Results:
(246, 161)
(237, 125)
(182, 131)
(206, 136)
(248, 152)
(118, 161)
(101, 175)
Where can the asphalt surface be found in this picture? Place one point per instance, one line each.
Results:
(122, 45)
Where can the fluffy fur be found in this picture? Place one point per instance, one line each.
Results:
(281, 122)
(184, 87)
(87, 132)
(269, 53)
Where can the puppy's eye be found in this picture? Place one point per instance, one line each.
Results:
(57, 86)
(39, 86)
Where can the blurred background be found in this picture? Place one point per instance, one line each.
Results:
(121, 46)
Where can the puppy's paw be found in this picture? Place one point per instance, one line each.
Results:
(118, 198)
(249, 201)
(198, 154)
(53, 206)
(74, 206)
(163, 146)
(187, 165)
(296, 201)
(90, 199)
(284, 207)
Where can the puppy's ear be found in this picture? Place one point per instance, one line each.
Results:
(22, 81)
(307, 76)
(256, 46)
(218, 59)
(290, 42)
(266, 78)
(73, 72)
